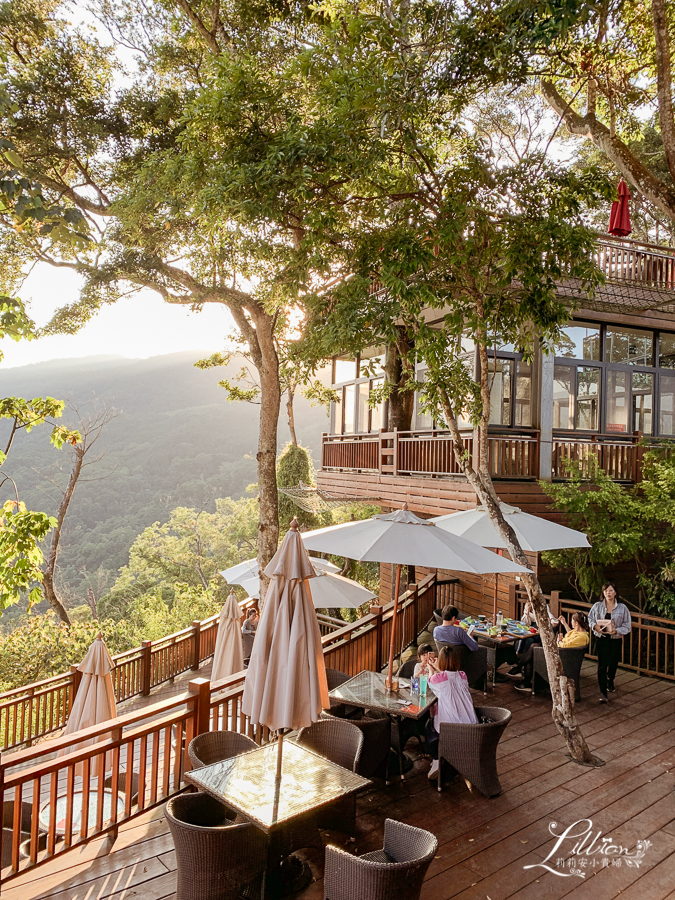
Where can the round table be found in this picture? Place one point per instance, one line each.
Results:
(61, 810)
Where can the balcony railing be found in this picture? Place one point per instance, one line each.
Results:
(636, 261)
(512, 456)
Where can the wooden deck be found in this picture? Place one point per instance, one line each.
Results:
(484, 844)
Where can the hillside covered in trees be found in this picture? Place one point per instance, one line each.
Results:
(176, 441)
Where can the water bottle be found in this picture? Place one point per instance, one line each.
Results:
(500, 620)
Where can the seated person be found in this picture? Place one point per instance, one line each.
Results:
(251, 622)
(426, 658)
(454, 703)
(577, 636)
(450, 632)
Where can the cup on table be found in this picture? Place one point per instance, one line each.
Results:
(482, 619)
(424, 680)
(415, 684)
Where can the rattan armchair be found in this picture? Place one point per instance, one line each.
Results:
(122, 784)
(376, 746)
(572, 659)
(335, 678)
(342, 743)
(395, 872)
(215, 859)
(474, 664)
(472, 749)
(215, 746)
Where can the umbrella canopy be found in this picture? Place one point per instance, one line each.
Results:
(403, 538)
(95, 699)
(619, 216)
(228, 656)
(286, 684)
(534, 534)
(245, 574)
(334, 591)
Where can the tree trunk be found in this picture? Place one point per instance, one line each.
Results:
(562, 691)
(290, 397)
(49, 587)
(268, 496)
(396, 370)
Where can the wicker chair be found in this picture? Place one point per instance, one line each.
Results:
(342, 743)
(376, 744)
(394, 873)
(407, 670)
(474, 664)
(335, 678)
(215, 746)
(8, 828)
(472, 749)
(215, 859)
(122, 784)
(572, 659)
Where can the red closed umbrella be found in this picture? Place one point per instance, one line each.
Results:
(619, 217)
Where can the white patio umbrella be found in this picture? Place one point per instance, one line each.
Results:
(534, 534)
(330, 590)
(228, 656)
(286, 687)
(245, 574)
(95, 699)
(402, 538)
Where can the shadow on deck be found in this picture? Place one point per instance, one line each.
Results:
(484, 845)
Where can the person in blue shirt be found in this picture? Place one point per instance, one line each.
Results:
(450, 632)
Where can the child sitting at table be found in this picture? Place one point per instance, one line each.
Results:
(454, 704)
(426, 659)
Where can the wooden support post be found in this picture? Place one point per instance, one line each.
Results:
(416, 610)
(555, 604)
(201, 688)
(76, 678)
(146, 667)
(196, 650)
(513, 606)
(394, 458)
(377, 611)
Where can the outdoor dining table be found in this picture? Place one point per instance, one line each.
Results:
(501, 648)
(367, 691)
(60, 813)
(247, 783)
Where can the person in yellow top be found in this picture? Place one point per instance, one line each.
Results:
(577, 635)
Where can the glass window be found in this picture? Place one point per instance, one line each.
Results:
(337, 416)
(348, 397)
(667, 404)
(579, 341)
(563, 394)
(629, 346)
(588, 398)
(377, 411)
(643, 384)
(422, 419)
(345, 370)
(362, 409)
(667, 351)
(617, 402)
(500, 391)
(523, 394)
(372, 363)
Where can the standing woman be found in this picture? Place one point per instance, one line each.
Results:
(609, 619)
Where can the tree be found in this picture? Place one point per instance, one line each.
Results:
(294, 468)
(90, 427)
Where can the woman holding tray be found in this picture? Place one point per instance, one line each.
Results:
(609, 619)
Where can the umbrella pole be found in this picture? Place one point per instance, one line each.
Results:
(392, 643)
(277, 780)
(494, 611)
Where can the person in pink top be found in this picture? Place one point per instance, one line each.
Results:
(454, 703)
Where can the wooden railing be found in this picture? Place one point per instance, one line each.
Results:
(619, 459)
(649, 649)
(512, 456)
(636, 261)
(152, 744)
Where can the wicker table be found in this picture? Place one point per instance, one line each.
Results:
(247, 783)
(367, 691)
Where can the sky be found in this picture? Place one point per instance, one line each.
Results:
(136, 327)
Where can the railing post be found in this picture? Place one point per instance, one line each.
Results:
(513, 605)
(201, 687)
(196, 635)
(379, 451)
(394, 458)
(555, 604)
(146, 667)
(76, 678)
(416, 610)
(377, 612)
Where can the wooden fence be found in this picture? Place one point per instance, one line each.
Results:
(52, 795)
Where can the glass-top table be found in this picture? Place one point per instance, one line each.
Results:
(247, 783)
(367, 691)
(60, 814)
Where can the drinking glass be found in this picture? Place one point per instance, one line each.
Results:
(423, 685)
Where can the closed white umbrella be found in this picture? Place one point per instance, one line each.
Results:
(95, 699)
(534, 534)
(245, 574)
(286, 687)
(228, 656)
(404, 539)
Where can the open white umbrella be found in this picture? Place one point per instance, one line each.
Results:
(245, 574)
(403, 538)
(95, 699)
(333, 591)
(286, 687)
(228, 656)
(534, 534)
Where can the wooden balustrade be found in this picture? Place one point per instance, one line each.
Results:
(512, 456)
(636, 261)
